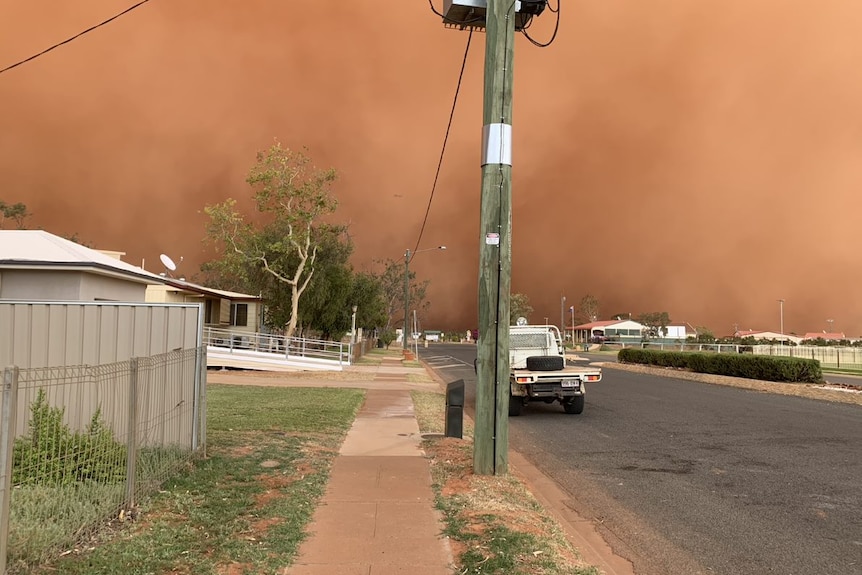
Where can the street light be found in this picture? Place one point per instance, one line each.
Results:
(562, 311)
(781, 311)
(353, 328)
(407, 288)
(572, 309)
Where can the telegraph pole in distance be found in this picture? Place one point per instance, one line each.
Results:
(491, 432)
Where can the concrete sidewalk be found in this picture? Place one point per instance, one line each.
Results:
(377, 516)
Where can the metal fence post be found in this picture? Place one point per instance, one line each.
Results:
(196, 406)
(8, 411)
(202, 412)
(132, 442)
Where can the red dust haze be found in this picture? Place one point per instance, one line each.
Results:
(701, 158)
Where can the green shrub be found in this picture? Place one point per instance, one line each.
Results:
(52, 454)
(387, 336)
(762, 367)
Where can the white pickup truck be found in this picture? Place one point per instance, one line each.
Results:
(539, 372)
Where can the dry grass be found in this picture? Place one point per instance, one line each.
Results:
(495, 524)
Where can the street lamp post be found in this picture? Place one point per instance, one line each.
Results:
(572, 309)
(781, 312)
(353, 327)
(562, 311)
(407, 290)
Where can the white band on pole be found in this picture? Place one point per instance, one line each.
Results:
(497, 144)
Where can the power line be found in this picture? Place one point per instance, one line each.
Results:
(445, 140)
(78, 35)
(556, 28)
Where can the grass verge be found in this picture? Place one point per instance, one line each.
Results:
(244, 508)
(494, 522)
(842, 370)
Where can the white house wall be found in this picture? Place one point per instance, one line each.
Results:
(96, 287)
(65, 285)
(675, 332)
(42, 285)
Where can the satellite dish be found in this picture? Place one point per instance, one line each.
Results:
(168, 262)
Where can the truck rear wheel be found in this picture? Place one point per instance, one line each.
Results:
(545, 363)
(574, 405)
(515, 405)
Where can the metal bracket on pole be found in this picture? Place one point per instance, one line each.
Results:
(497, 144)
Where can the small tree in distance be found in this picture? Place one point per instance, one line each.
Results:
(655, 322)
(519, 306)
(16, 212)
(590, 308)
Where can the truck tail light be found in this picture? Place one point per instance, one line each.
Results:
(593, 377)
(522, 380)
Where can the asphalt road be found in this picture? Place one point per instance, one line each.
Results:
(694, 478)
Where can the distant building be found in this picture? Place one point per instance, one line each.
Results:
(768, 335)
(223, 309)
(824, 335)
(614, 330)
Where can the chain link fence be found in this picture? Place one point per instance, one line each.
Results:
(81, 445)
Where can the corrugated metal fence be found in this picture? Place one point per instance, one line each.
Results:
(101, 403)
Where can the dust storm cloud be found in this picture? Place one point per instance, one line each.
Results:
(698, 158)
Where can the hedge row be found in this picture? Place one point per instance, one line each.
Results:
(762, 367)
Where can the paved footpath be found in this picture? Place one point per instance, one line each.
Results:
(377, 516)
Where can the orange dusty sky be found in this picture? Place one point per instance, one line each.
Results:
(700, 158)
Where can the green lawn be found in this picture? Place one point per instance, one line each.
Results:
(245, 507)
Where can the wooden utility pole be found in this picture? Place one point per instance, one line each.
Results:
(491, 439)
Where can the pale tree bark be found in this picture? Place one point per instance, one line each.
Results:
(294, 198)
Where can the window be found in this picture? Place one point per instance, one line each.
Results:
(239, 314)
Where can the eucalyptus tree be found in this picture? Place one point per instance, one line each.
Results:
(293, 199)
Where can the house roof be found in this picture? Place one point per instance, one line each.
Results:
(195, 288)
(594, 324)
(748, 332)
(760, 334)
(38, 249)
(824, 335)
(607, 323)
